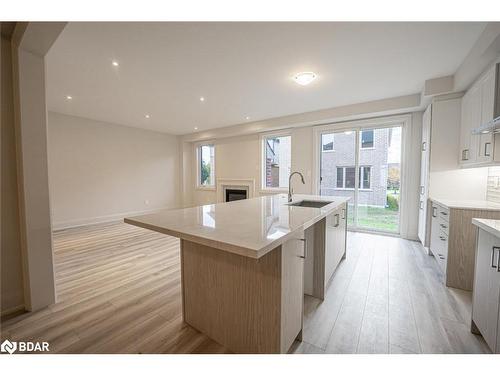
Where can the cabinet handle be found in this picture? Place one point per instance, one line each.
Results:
(493, 249)
(343, 213)
(337, 221)
(444, 213)
(443, 226)
(421, 205)
(442, 238)
(434, 210)
(305, 248)
(486, 153)
(424, 146)
(465, 154)
(421, 190)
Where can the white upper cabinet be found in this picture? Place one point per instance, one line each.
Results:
(478, 108)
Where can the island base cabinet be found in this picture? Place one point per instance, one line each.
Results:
(247, 305)
(486, 294)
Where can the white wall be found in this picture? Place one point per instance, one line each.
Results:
(100, 171)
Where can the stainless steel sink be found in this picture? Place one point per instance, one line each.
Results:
(313, 204)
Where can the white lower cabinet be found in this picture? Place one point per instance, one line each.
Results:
(486, 294)
(439, 235)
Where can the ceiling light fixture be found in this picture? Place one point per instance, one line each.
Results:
(247, 118)
(115, 63)
(304, 78)
(195, 128)
(202, 99)
(147, 116)
(69, 97)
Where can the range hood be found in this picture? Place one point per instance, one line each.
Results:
(492, 126)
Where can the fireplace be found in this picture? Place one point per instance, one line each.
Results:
(235, 194)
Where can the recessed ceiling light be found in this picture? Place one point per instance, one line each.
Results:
(247, 118)
(304, 78)
(202, 99)
(115, 63)
(147, 116)
(69, 97)
(195, 128)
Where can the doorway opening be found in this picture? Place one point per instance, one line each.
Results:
(365, 165)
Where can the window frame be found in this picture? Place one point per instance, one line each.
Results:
(361, 168)
(199, 186)
(333, 142)
(263, 137)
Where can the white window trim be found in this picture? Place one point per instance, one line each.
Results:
(361, 139)
(263, 136)
(198, 186)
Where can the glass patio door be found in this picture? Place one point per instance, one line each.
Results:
(365, 165)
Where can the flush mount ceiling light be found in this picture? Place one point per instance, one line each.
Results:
(195, 128)
(115, 63)
(69, 97)
(304, 78)
(202, 99)
(247, 118)
(147, 116)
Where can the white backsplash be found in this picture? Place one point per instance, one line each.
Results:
(493, 185)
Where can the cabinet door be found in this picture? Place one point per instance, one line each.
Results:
(292, 289)
(486, 296)
(487, 88)
(466, 156)
(333, 252)
(475, 120)
(435, 241)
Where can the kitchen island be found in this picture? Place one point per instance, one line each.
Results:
(242, 265)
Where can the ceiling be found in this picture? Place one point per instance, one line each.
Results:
(242, 69)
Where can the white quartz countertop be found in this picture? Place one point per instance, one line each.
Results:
(468, 204)
(489, 225)
(250, 227)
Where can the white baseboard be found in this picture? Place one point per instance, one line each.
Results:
(102, 219)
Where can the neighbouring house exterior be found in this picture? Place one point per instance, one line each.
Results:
(338, 160)
(278, 161)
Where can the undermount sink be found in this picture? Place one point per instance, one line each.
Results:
(313, 204)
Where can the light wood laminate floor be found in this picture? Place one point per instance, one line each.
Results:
(118, 290)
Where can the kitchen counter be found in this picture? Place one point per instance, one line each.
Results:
(468, 204)
(249, 227)
(489, 225)
(243, 265)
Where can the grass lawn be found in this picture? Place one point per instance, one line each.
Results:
(379, 218)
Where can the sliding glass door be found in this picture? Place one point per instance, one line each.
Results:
(365, 165)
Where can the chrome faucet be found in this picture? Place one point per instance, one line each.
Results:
(290, 190)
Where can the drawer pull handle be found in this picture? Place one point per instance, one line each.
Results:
(444, 213)
(434, 210)
(442, 238)
(305, 248)
(493, 249)
(443, 226)
(486, 152)
(337, 220)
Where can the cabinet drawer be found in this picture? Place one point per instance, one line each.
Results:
(444, 226)
(443, 213)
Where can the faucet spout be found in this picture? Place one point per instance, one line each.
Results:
(290, 190)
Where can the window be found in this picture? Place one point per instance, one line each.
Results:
(327, 142)
(367, 139)
(277, 161)
(206, 166)
(346, 177)
(364, 177)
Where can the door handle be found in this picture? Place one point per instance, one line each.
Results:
(337, 221)
(486, 153)
(305, 248)
(493, 249)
